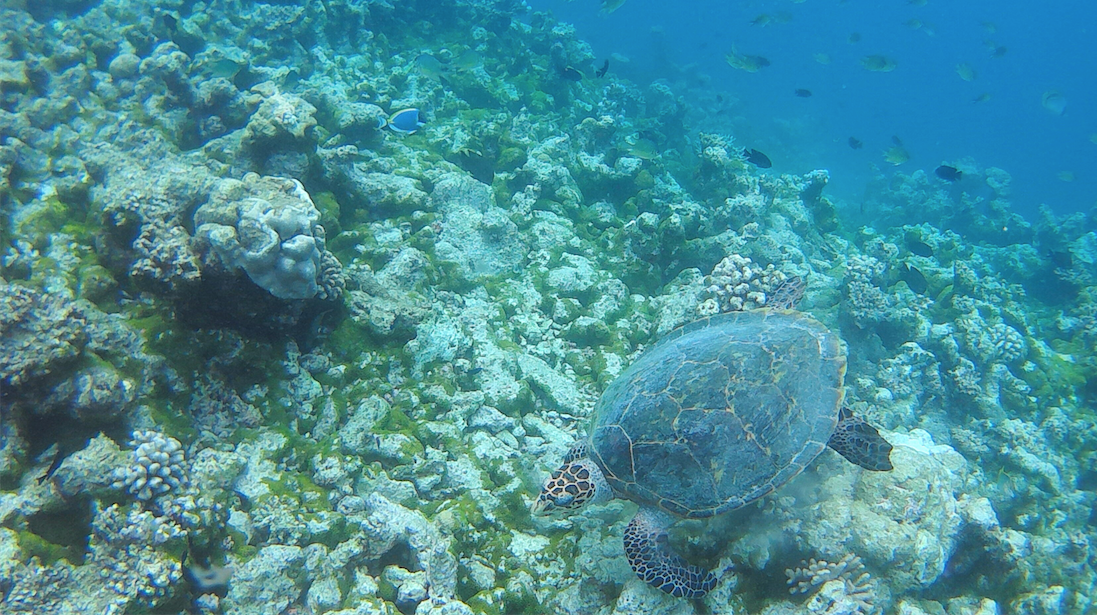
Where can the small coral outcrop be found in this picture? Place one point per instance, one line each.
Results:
(51, 351)
(39, 332)
(269, 227)
(476, 234)
(158, 465)
(737, 283)
(844, 582)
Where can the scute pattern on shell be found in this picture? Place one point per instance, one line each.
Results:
(720, 412)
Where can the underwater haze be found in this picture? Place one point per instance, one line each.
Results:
(1017, 52)
(487, 307)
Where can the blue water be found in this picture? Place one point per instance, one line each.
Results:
(923, 101)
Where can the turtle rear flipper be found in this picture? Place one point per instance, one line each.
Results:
(657, 564)
(860, 443)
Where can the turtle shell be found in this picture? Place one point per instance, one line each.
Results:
(720, 412)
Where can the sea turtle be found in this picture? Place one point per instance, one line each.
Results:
(717, 414)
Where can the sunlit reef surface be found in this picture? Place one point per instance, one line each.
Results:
(290, 361)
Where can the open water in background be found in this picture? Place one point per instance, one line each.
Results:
(1050, 46)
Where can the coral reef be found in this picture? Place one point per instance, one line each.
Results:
(66, 358)
(40, 333)
(343, 356)
(146, 195)
(476, 235)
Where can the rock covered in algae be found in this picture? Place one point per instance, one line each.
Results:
(476, 234)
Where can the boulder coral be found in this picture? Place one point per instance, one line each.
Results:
(268, 227)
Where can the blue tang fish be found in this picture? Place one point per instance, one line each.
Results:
(405, 122)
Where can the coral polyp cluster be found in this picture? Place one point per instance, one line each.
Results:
(158, 465)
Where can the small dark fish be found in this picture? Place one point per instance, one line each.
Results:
(919, 247)
(915, 280)
(757, 158)
(571, 74)
(56, 463)
(719, 98)
(896, 140)
(998, 52)
(855, 37)
(1062, 259)
(802, 93)
(291, 80)
(602, 71)
(856, 143)
(949, 174)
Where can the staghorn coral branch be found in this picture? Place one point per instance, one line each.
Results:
(858, 585)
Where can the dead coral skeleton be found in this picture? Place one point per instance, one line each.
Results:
(859, 586)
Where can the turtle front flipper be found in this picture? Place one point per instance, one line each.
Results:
(656, 564)
(860, 443)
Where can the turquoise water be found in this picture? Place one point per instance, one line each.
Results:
(1018, 51)
(367, 307)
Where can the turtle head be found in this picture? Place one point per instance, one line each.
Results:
(576, 483)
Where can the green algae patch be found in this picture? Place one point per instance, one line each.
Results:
(509, 159)
(519, 598)
(487, 602)
(96, 284)
(825, 215)
(513, 511)
(193, 351)
(385, 589)
(52, 215)
(348, 342)
(395, 421)
(329, 209)
(1061, 372)
(33, 545)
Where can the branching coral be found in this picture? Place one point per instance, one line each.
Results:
(39, 332)
(330, 279)
(866, 302)
(35, 588)
(717, 154)
(123, 547)
(858, 585)
(736, 283)
(988, 344)
(159, 465)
